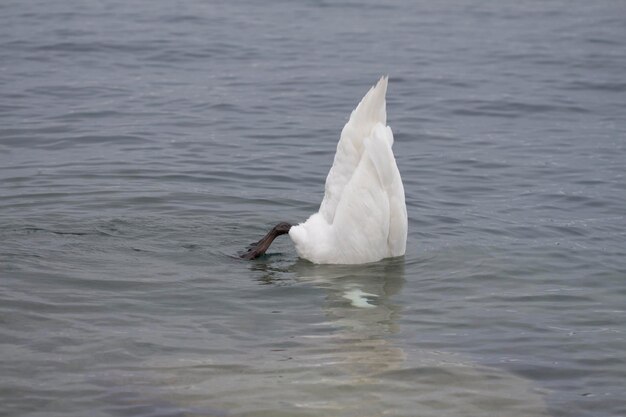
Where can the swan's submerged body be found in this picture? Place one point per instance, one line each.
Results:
(362, 217)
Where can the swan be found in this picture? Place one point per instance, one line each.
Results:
(362, 217)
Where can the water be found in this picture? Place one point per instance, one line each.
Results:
(142, 144)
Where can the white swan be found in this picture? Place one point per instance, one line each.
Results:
(362, 217)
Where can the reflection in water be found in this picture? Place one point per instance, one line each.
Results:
(349, 358)
(359, 305)
(362, 370)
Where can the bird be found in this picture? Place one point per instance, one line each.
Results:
(362, 217)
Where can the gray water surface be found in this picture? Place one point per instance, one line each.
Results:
(143, 144)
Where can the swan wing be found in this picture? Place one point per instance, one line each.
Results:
(378, 148)
(370, 111)
(370, 220)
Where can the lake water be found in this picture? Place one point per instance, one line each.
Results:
(143, 144)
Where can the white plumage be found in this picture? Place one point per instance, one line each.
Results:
(362, 217)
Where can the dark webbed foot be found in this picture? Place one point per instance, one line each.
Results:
(257, 249)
